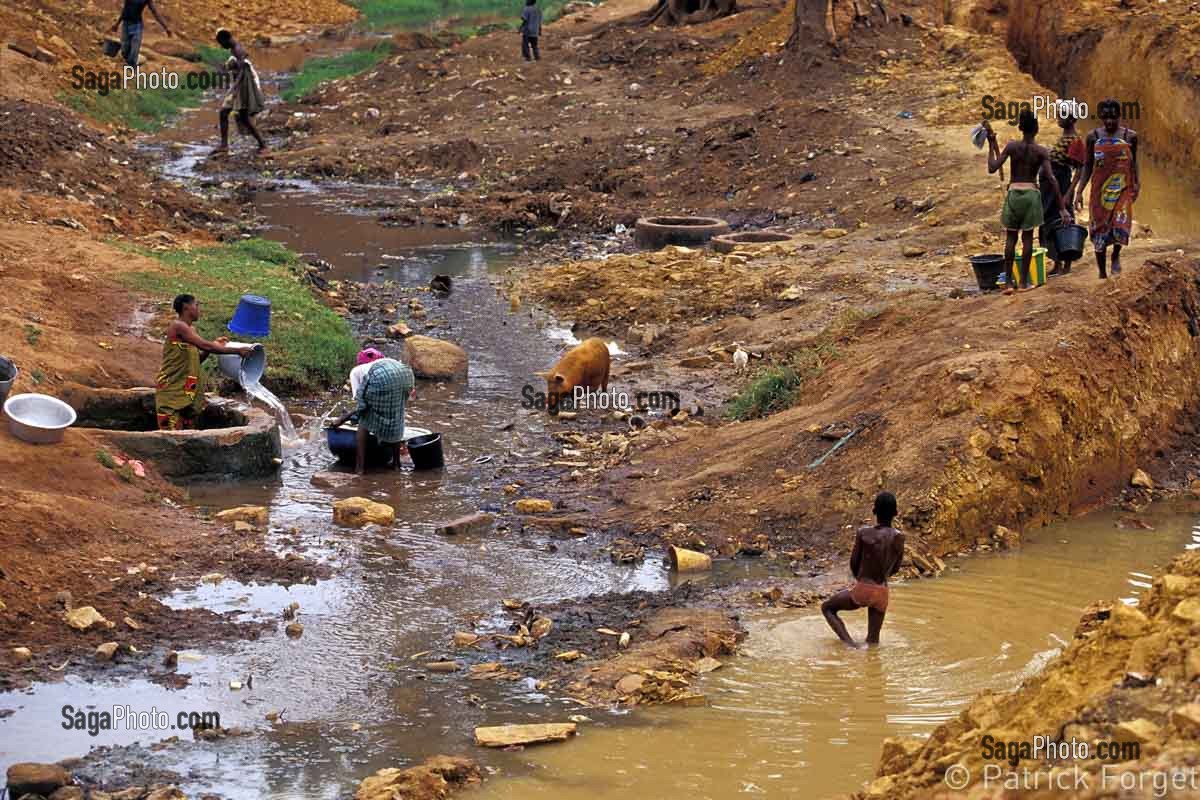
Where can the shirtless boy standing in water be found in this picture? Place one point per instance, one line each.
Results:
(876, 556)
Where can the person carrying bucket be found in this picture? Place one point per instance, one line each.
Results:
(1022, 211)
(1112, 168)
(381, 386)
(1066, 157)
(179, 387)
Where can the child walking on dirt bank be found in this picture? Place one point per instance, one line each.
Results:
(245, 98)
(1022, 211)
(531, 29)
(876, 557)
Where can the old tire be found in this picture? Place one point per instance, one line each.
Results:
(732, 241)
(656, 232)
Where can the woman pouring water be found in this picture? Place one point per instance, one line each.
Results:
(382, 386)
(179, 388)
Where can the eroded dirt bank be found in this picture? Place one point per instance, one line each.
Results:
(1127, 678)
(1144, 53)
(1015, 412)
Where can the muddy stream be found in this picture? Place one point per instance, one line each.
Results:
(795, 715)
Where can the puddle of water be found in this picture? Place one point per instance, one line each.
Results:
(802, 716)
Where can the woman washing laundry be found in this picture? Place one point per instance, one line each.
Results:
(381, 386)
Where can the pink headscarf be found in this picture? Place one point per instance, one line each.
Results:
(369, 355)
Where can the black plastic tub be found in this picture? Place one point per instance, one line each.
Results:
(988, 269)
(343, 443)
(1068, 240)
(426, 451)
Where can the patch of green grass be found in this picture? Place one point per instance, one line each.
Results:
(142, 110)
(470, 14)
(32, 334)
(212, 55)
(106, 460)
(310, 346)
(776, 387)
(318, 70)
(37, 376)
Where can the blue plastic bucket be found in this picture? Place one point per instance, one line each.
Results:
(252, 316)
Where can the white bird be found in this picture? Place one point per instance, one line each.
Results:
(740, 359)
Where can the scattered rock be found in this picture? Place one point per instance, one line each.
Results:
(694, 362)
(1141, 480)
(1187, 610)
(913, 251)
(534, 506)
(434, 779)
(435, 359)
(253, 515)
(294, 630)
(706, 665)
(22, 654)
(332, 480)
(1192, 664)
(834, 233)
(171, 660)
(443, 666)
(399, 331)
(630, 684)
(1186, 719)
(477, 522)
(166, 793)
(85, 618)
(356, 512)
(106, 651)
(39, 779)
(966, 374)
(1007, 537)
(1139, 730)
(509, 735)
(1127, 622)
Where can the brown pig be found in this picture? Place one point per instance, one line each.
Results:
(585, 365)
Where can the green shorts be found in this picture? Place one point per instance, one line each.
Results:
(1022, 210)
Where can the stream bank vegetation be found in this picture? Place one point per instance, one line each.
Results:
(310, 346)
(780, 385)
(316, 71)
(468, 15)
(144, 110)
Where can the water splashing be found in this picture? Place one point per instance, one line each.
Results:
(287, 430)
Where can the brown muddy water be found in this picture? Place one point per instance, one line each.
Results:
(800, 715)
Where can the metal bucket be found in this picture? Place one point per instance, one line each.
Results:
(247, 370)
(252, 317)
(38, 418)
(8, 374)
